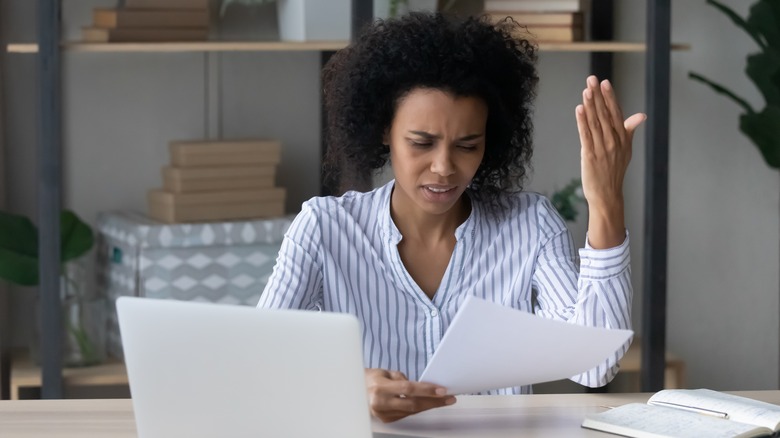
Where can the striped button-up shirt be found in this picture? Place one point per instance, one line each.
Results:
(340, 254)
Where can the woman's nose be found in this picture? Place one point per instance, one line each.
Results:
(442, 162)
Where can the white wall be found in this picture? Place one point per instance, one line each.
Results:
(724, 215)
(121, 109)
(723, 286)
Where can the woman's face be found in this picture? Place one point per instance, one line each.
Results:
(437, 142)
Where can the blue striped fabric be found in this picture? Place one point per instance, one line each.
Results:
(340, 255)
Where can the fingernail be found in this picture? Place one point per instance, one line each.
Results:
(606, 84)
(441, 391)
(450, 401)
(588, 94)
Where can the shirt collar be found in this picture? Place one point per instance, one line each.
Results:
(394, 236)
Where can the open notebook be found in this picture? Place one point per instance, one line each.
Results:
(690, 413)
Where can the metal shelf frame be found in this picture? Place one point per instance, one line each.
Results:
(656, 190)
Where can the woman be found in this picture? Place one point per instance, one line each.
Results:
(448, 102)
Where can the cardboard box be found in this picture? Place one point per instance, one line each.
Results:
(214, 179)
(221, 262)
(214, 206)
(203, 153)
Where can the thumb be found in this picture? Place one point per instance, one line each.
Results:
(633, 122)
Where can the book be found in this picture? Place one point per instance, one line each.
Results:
(145, 18)
(209, 179)
(535, 5)
(554, 33)
(204, 153)
(171, 207)
(127, 35)
(690, 413)
(166, 4)
(540, 18)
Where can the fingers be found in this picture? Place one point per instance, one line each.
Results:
(582, 128)
(589, 98)
(603, 114)
(615, 113)
(392, 396)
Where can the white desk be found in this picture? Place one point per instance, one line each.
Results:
(472, 416)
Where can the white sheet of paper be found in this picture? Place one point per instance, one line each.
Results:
(490, 346)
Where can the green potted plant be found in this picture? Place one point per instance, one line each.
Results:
(19, 266)
(763, 68)
(566, 200)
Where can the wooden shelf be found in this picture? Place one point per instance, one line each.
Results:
(25, 374)
(313, 46)
(601, 46)
(203, 46)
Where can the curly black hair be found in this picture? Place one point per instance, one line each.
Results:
(468, 57)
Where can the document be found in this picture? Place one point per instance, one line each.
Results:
(490, 346)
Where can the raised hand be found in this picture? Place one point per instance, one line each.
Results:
(391, 396)
(605, 140)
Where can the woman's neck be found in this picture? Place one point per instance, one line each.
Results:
(415, 224)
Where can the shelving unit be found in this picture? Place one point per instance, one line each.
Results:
(657, 47)
(313, 46)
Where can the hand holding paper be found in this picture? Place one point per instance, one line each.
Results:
(474, 356)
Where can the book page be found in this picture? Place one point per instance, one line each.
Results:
(738, 408)
(645, 421)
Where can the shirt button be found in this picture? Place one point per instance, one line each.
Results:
(434, 313)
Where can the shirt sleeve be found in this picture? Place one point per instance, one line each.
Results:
(599, 294)
(296, 280)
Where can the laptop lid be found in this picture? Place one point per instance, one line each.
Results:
(208, 370)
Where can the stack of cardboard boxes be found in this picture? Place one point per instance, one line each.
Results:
(219, 180)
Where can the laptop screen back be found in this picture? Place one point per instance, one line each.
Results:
(206, 370)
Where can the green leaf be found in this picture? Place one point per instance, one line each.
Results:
(764, 70)
(18, 268)
(75, 236)
(763, 19)
(720, 89)
(19, 245)
(739, 21)
(764, 130)
(18, 234)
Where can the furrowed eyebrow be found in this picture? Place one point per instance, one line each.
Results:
(423, 134)
(429, 135)
(471, 137)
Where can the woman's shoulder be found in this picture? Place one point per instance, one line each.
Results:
(350, 203)
(517, 204)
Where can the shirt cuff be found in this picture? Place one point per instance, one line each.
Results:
(599, 264)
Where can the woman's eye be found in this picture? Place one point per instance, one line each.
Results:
(420, 143)
(468, 147)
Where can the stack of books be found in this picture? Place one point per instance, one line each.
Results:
(217, 181)
(547, 20)
(150, 21)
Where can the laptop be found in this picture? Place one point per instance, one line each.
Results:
(217, 370)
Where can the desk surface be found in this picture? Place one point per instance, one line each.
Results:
(483, 416)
